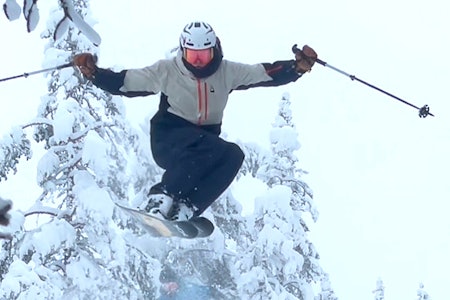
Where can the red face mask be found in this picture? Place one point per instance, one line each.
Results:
(170, 288)
(198, 58)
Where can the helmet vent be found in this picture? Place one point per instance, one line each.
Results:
(198, 35)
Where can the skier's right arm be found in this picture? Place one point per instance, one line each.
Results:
(113, 82)
(110, 81)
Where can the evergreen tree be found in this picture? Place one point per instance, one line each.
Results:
(283, 169)
(84, 248)
(326, 291)
(255, 158)
(77, 250)
(13, 146)
(93, 158)
(379, 290)
(422, 294)
(276, 261)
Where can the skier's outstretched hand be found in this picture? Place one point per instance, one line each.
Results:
(305, 59)
(86, 63)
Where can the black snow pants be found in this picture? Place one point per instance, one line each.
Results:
(198, 164)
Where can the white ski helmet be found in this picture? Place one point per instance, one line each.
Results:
(198, 36)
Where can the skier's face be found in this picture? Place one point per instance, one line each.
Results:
(198, 58)
(170, 288)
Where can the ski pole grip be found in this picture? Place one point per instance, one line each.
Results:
(296, 50)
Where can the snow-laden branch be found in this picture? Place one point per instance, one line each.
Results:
(12, 147)
(97, 125)
(40, 209)
(38, 121)
(30, 11)
(11, 10)
(71, 14)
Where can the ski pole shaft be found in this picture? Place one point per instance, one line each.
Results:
(25, 75)
(423, 111)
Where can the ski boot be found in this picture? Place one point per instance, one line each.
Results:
(159, 206)
(182, 211)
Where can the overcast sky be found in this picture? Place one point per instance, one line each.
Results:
(378, 171)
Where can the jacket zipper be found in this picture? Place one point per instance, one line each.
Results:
(206, 100)
(201, 101)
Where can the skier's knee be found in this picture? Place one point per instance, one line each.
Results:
(236, 155)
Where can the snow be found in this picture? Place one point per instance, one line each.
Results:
(12, 10)
(82, 271)
(246, 190)
(19, 272)
(27, 6)
(32, 18)
(48, 237)
(95, 153)
(86, 29)
(285, 138)
(14, 136)
(61, 28)
(47, 165)
(64, 121)
(266, 204)
(92, 199)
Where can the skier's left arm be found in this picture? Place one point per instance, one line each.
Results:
(283, 72)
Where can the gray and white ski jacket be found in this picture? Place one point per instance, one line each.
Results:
(200, 101)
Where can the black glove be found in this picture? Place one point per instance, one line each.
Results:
(86, 63)
(304, 59)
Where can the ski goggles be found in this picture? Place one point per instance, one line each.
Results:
(198, 58)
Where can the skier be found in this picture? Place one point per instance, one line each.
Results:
(194, 87)
(174, 286)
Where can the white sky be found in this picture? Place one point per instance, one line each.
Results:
(378, 171)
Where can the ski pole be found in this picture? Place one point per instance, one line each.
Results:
(37, 72)
(423, 111)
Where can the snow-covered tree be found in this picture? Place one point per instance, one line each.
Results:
(93, 158)
(83, 247)
(275, 259)
(421, 293)
(13, 147)
(379, 290)
(283, 168)
(265, 255)
(326, 291)
(77, 249)
(256, 158)
(69, 17)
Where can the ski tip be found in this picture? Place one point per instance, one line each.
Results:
(205, 226)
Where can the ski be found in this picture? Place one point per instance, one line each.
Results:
(193, 228)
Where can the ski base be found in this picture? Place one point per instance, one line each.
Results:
(193, 228)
